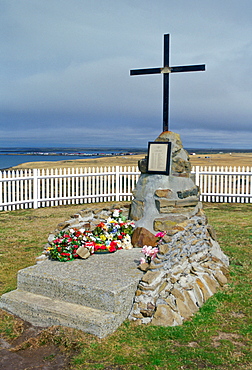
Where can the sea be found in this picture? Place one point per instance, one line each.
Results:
(10, 157)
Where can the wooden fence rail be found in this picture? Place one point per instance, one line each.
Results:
(53, 187)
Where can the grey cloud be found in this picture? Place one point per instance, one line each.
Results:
(66, 68)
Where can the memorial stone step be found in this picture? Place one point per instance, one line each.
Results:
(44, 311)
(94, 295)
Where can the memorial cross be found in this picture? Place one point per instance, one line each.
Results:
(166, 70)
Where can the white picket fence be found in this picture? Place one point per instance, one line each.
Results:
(224, 184)
(53, 187)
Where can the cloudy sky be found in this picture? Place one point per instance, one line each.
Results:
(64, 67)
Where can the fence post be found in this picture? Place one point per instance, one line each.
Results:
(197, 180)
(117, 183)
(1, 191)
(35, 188)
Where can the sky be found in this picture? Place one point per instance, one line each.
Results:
(64, 72)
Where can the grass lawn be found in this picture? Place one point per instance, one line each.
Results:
(217, 337)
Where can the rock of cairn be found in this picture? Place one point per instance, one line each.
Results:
(190, 265)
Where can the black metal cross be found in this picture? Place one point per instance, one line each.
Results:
(166, 70)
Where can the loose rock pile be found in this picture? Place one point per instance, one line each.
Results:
(189, 268)
(190, 265)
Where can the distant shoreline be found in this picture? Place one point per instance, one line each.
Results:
(74, 154)
(10, 160)
(116, 152)
(234, 159)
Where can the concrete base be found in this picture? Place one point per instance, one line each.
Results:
(94, 295)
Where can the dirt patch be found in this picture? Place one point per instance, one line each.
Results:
(27, 347)
(238, 314)
(27, 353)
(45, 357)
(232, 337)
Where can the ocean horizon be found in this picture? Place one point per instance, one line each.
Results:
(10, 157)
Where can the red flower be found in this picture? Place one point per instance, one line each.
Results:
(119, 237)
(100, 247)
(113, 244)
(89, 244)
(112, 248)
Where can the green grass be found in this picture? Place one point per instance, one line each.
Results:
(217, 337)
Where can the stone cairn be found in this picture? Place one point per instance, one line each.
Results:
(190, 265)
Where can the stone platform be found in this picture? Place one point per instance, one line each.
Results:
(94, 295)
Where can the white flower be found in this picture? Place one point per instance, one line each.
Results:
(108, 236)
(142, 260)
(119, 244)
(127, 245)
(116, 213)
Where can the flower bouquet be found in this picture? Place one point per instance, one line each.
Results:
(107, 237)
(113, 234)
(151, 252)
(64, 247)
